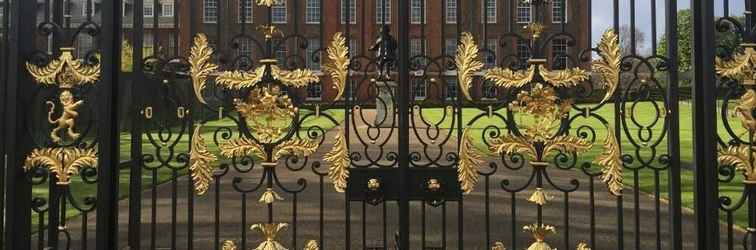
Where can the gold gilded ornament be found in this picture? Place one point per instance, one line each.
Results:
(539, 233)
(200, 163)
(67, 119)
(338, 157)
(612, 164)
(200, 65)
(269, 31)
(582, 246)
(66, 72)
(740, 158)
(267, 3)
(311, 245)
(294, 147)
(508, 78)
(608, 63)
(269, 196)
(535, 29)
(469, 162)
(229, 245)
(236, 80)
(267, 111)
(741, 67)
(62, 162)
(241, 147)
(744, 110)
(498, 246)
(563, 78)
(540, 197)
(269, 232)
(467, 63)
(338, 64)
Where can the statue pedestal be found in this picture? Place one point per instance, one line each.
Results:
(385, 113)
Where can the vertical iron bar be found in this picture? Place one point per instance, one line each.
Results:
(673, 139)
(107, 128)
(135, 176)
(18, 143)
(403, 91)
(705, 129)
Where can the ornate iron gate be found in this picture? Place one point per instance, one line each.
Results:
(406, 124)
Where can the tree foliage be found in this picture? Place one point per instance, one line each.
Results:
(727, 41)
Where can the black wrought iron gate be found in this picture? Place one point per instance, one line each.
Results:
(377, 124)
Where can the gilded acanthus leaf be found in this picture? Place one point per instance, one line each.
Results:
(740, 158)
(200, 65)
(229, 245)
(568, 143)
(582, 246)
(269, 232)
(469, 163)
(508, 78)
(62, 162)
(467, 63)
(338, 63)
(269, 196)
(540, 197)
(608, 63)
(236, 80)
(311, 245)
(267, 3)
(513, 145)
(740, 64)
(498, 246)
(65, 71)
(338, 157)
(563, 78)
(296, 78)
(611, 164)
(294, 147)
(200, 163)
(241, 147)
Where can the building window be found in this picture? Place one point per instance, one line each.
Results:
(418, 48)
(558, 11)
(244, 47)
(84, 9)
(354, 48)
(524, 14)
(279, 12)
(245, 11)
(315, 91)
(149, 8)
(281, 53)
(382, 11)
(85, 44)
(490, 91)
(491, 51)
(419, 88)
(523, 51)
(210, 11)
(488, 10)
(172, 45)
(451, 88)
(559, 53)
(349, 7)
(312, 13)
(417, 11)
(450, 47)
(149, 44)
(167, 8)
(312, 56)
(451, 11)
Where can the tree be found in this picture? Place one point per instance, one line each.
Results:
(626, 42)
(726, 41)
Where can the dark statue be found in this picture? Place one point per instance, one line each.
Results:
(385, 47)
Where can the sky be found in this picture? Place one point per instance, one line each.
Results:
(602, 15)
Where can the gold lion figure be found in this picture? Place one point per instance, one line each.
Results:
(67, 119)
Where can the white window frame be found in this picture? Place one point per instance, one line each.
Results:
(525, 45)
(556, 44)
(492, 50)
(275, 11)
(484, 9)
(451, 18)
(563, 10)
(524, 6)
(319, 86)
(418, 12)
(149, 5)
(246, 7)
(379, 11)
(451, 82)
(209, 18)
(450, 46)
(351, 13)
(485, 87)
(415, 82)
(313, 46)
(84, 8)
(168, 5)
(312, 12)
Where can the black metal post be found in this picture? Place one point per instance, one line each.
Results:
(673, 141)
(403, 91)
(704, 128)
(107, 127)
(18, 143)
(135, 173)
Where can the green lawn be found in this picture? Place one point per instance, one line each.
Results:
(646, 177)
